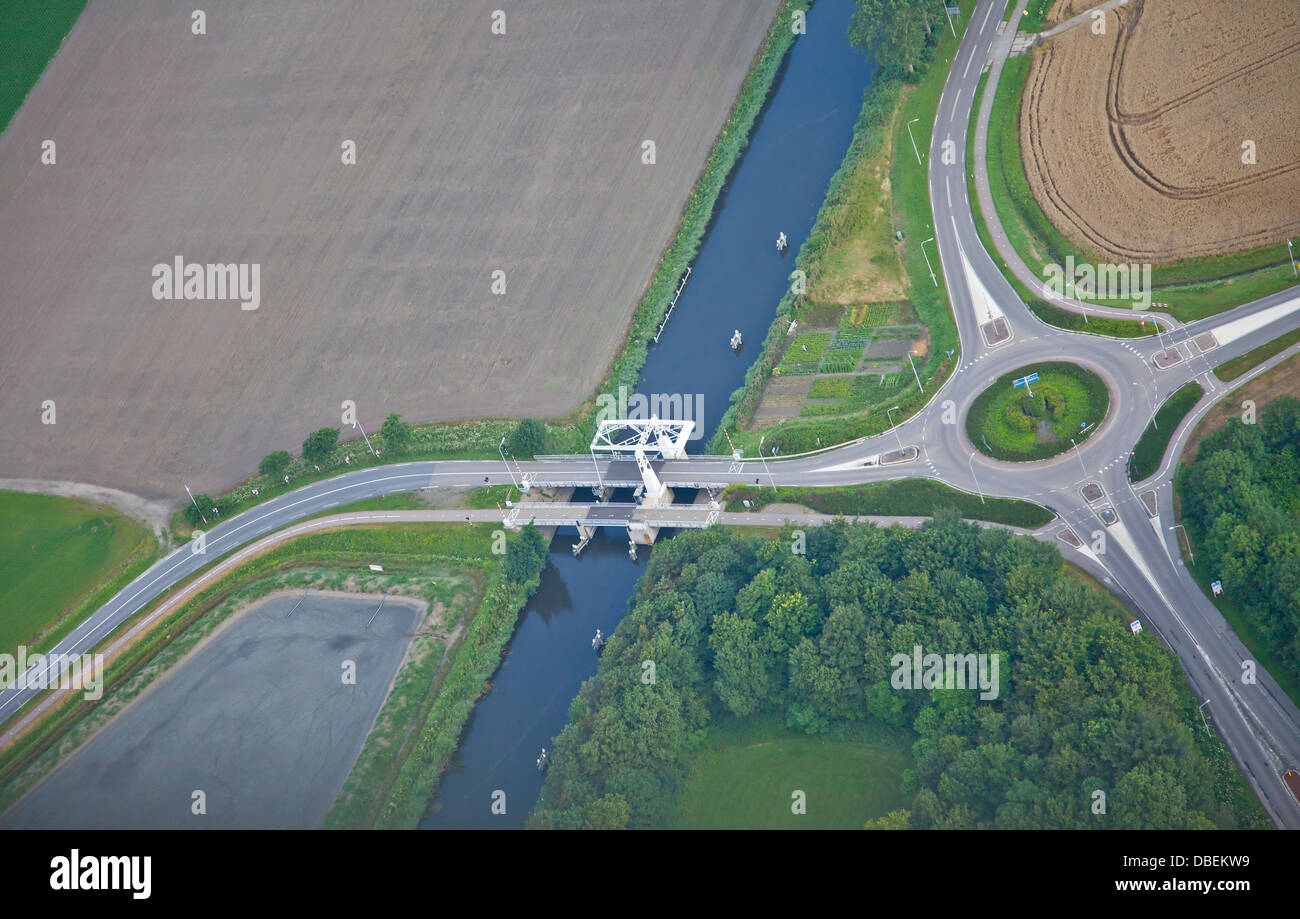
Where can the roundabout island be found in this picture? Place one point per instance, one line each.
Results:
(1037, 412)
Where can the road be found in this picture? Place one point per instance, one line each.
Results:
(1132, 551)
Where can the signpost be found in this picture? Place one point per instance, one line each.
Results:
(1217, 587)
(1135, 626)
(1025, 381)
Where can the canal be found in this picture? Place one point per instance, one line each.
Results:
(736, 282)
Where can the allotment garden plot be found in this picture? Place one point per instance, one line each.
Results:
(854, 367)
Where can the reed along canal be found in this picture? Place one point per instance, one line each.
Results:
(736, 282)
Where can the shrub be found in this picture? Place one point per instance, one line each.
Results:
(319, 443)
(397, 433)
(274, 464)
(529, 438)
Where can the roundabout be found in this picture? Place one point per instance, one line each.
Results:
(1037, 412)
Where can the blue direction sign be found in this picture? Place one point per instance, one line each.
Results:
(1025, 381)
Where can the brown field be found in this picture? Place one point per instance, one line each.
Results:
(475, 152)
(1133, 139)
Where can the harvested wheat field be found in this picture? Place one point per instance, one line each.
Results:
(475, 152)
(1133, 139)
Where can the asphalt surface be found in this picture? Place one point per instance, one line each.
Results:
(1138, 557)
(259, 719)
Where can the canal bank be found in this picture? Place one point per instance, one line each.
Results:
(737, 280)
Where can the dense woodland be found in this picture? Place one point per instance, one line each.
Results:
(1241, 504)
(744, 624)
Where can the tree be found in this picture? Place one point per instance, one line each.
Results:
(896, 33)
(274, 464)
(205, 504)
(894, 820)
(319, 443)
(529, 438)
(742, 681)
(397, 433)
(525, 554)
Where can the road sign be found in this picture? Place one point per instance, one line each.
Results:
(1135, 626)
(1025, 381)
(1217, 587)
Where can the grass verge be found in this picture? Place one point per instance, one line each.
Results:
(903, 498)
(1150, 449)
(1230, 370)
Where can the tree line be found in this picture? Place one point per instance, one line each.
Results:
(1241, 505)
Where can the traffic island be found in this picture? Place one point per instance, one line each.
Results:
(1037, 412)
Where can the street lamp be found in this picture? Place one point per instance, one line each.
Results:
(1080, 456)
(909, 134)
(1151, 396)
(975, 477)
(927, 260)
(1187, 539)
(914, 373)
(501, 449)
(1291, 255)
(763, 457)
(949, 15)
(888, 414)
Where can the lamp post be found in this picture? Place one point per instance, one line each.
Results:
(909, 134)
(501, 448)
(914, 373)
(763, 457)
(927, 260)
(1080, 456)
(1187, 539)
(1291, 255)
(889, 415)
(196, 506)
(975, 477)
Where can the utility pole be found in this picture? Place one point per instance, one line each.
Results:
(196, 506)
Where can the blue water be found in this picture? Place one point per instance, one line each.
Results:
(736, 282)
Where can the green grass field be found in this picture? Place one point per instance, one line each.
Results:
(747, 772)
(56, 554)
(30, 33)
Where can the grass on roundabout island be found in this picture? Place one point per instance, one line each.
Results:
(1007, 423)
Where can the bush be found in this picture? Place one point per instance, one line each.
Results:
(1018, 420)
(274, 464)
(397, 433)
(319, 443)
(528, 439)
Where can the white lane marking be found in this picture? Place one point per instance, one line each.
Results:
(985, 23)
(982, 303)
(948, 189)
(1231, 331)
